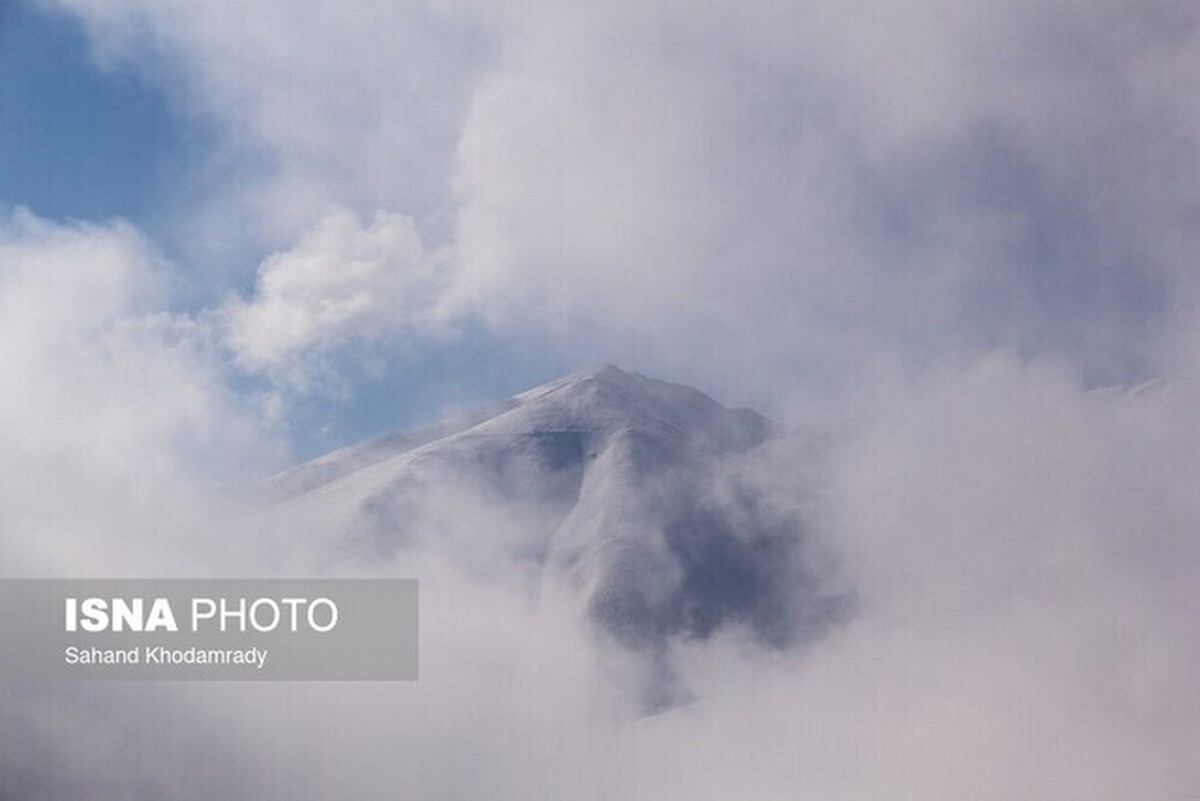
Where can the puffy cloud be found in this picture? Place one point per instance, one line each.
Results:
(342, 281)
(112, 403)
(808, 187)
(816, 185)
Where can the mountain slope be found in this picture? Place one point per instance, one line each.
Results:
(639, 500)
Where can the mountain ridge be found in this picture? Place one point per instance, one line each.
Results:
(332, 466)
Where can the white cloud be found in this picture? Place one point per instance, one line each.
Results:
(1023, 551)
(813, 185)
(342, 281)
(356, 108)
(817, 185)
(111, 403)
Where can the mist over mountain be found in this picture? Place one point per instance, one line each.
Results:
(642, 503)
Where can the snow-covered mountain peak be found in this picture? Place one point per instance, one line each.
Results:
(606, 399)
(638, 500)
(596, 402)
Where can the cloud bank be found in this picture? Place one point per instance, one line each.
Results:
(1023, 553)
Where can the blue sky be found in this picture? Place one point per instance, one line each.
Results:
(77, 143)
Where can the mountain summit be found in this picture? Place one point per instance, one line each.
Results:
(597, 401)
(646, 503)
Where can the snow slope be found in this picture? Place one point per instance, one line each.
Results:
(636, 499)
